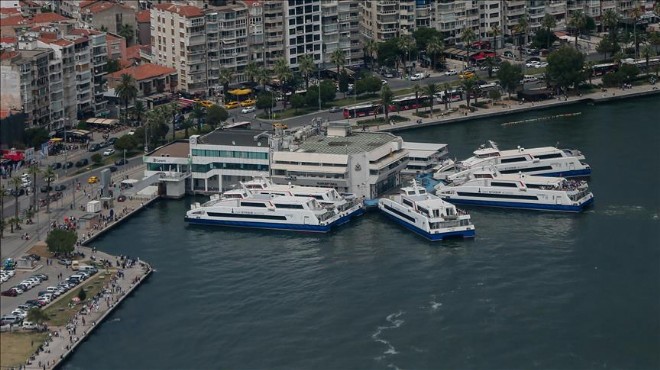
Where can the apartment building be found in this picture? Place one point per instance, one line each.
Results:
(98, 60)
(179, 40)
(341, 30)
(227, 41)
(110, 17)
(149, 78)
(274, 25)
(64, 52)
(302, 33)
(26, 84)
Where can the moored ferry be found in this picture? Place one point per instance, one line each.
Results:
(492, 189)
(426, 214)
(542, 161)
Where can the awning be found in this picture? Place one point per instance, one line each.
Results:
(13, 155)
(240, 92)
(102, 121)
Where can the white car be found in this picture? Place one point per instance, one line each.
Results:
(451, 72)
(532, 64)
(108, 152)
(19, 313)
(383, 82)
(417, 77)
(541, 65)
(248, 109)
(29, 325)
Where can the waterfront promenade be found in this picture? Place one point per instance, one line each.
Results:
(506, 106)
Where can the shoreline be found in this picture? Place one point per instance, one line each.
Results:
(594, 98)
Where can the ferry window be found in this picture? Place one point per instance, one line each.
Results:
(514, 159)
(253, 204)
(289, 206)
(503, 184)
(529, 169)
(407, 202)
(548, 156)
(424, 211)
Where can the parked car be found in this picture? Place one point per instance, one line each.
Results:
(46, 189)
(27, 325)
(231, 105)
(248, 103)
(56, 166)
(112, 168)
(248, 109)
(82, 163)
(60, 187)
(64, 261)
(109, 152)
(68, 164)
(94, 147)
(41, 277)
(120, 162)
(9, 320)
(451, 72)
(112, 140)
(11, 292)
(508, 54)
(92, 180)
(334, 110)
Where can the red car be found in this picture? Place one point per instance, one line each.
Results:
(11, 292)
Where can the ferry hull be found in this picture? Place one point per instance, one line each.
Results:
(278, 226)
(521, 205)
(429, 236)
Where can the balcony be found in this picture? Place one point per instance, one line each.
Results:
(330, 28)
(197, 40)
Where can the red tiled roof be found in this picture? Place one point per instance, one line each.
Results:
(100, 6)
(143, 16)
(8, 55)
(10, 11)
(144, 71)
(8, 40)
(18, 20)
(4, 113)
(60, 42)
(83, 32)
(133, 52)
(187, 11)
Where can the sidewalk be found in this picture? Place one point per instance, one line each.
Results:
(510, 107)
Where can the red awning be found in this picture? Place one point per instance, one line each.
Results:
(13, 155)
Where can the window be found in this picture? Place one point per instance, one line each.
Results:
(503, 184)
(548, 156)
(530, 169)
(514, 159)
(502, 196)
(253, 204)
(289, 206)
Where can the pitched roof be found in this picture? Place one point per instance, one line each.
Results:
(133, 52)
(83, 32)
(100, 6)
(8, 55)
(59, 42)
(187, 11)
(144, 71)
(10, 11)
(8, 40)
(18, 20)
(143, 16)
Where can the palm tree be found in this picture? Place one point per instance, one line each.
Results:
(647, 53)
(338, 58)
(126, 31)
(187, 123)
(430, 90)
(549, 22)
(126, 90)
(283, 73)
(521, 30)
(635, 13)
(495, 31)
(417, 89)
(446, 87)
(490, 63)
(371, 47)
(16, 182)
(435, 46)
(618, 57)
(34, 171)
(306, 67)
(138, 110)
(577, 23)
(469, 86)
(611, 20)
(589, 69)
(262, 77)
(198, 114)
(468, 36)
(386, 96)
(225, 77)
(406, 44)
(49, 177)
(251, 71)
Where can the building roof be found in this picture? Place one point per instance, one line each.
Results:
(143, 16)
(83, 32)
(177, 149)
(10, 11)
(8, 40)
(19, 20)
(237, 137)
(359, 142)
(133, 52)
(4, 113)
(98, 6)
(187, 11)
(144, 71)
(8, 55)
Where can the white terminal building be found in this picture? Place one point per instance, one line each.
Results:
(367, 164)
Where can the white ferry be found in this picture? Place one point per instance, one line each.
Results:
(327, 197)
(264, 211)
(426, 214)
(491, 189)
(542, 161)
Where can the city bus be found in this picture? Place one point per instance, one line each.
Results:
(601, 69)
(453, 96)
(362, 110)
(408, 102)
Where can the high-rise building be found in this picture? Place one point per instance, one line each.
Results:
(302, 33)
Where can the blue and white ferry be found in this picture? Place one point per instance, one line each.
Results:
(492, 189)
(542, 161)
(426, 214)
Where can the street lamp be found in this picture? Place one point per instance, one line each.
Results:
(66, 152)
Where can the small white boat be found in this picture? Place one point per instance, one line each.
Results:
(542, 161)
(492, 189)
(426, 214)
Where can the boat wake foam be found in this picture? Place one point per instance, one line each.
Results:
(395, 322)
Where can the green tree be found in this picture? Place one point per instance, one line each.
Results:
(509, 76)
(126, 90)
(34, 137)
(198, 113)
(469, 85)
(113, 65)
(406, 45)
(430, 90)
(495, 31)
(82, 295)
(251, 71)
(521, 29)
(34, 171)
(306, 67)
(446, 87)
(435, 47)
(371, 47)
(490, 63)
(635, 14)
(215, 114)
(225, 77)
(647, 53)
(138, 111)
(187, 124)
(338, 58)
(417, 90)
(263, 77)
(126, 31)
(127, 143)
(328, 92)
(37, 316)
(494, 95)
(16, 183)
(297, 101)
(97, 158)
(589, 70)
(283, 73)
(386, 97)
(549, 22)
(388, 53)
(611, 20)
(606, 45)
(424, 35)
(577, 22)
(543, 37)
(565, 67)
(468, 36)
(61, 241)
(628, 72)
(343, 82)
(266, 101)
